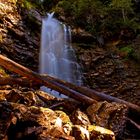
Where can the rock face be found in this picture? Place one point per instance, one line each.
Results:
(136, 45)
(107, 115)
(81, 36)
(18, 40)
(109, 70)
(24, 115)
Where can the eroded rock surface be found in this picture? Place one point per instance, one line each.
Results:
(17, 40)
(24, 115)
(108, 70)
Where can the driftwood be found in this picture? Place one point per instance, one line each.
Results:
(82, 94)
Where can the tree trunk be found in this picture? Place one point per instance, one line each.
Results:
(98, 96)
(17, 68)
(16, 81)
(123, 14)
(82, 94)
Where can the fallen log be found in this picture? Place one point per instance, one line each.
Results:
(134, 123)
(21, 70)
(88, 96)
(16, 81)
(98, 96)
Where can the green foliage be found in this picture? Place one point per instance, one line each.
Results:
(67, 6)
(49, 4)
(106, 17)
(128, 50)
(136, 55)
(126, 4)
(85, 13)
(30, 4)
(27, 4)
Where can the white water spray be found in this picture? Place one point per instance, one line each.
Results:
(57, 57)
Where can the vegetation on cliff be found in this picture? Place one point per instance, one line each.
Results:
(105, 20)
(100, 17)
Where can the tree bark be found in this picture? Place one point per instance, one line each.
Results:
(16, 81)
(98, 96)
(82, 94)
(123, 15)
(21, 70)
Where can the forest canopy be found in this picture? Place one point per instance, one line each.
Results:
(99, 17)
(105, 20)
(106, 17)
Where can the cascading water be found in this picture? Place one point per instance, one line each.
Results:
(57, 57)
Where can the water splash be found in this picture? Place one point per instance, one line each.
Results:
(57, 57)
(50, 15)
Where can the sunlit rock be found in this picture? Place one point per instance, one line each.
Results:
(100, 133)
(80, 133)
(63, 116)
(108, 115)
(80, 118)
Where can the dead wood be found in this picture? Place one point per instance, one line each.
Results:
(88, 96)
(98, 96)
(19, 69)
(134, 123)
(19, 81)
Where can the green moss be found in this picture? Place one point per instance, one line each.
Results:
(28, 4)
(127, 50)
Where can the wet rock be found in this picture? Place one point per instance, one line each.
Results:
(32, 18)
(51, 124)
(63, 116)
(108, 115)
(79, 35)
(67, 128)
(14, 96)
(80, 118)
(6, 116)
(97, 132)
(43, 116)
(15, 34)
(80, 133)
(105, 70)
(2, 97)
(41, 123)
(92, 132)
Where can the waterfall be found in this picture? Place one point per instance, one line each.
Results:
(57, 57)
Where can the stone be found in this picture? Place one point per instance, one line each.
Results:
(100, 133)
(80, 133)
(80, 118)
(108, 115)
